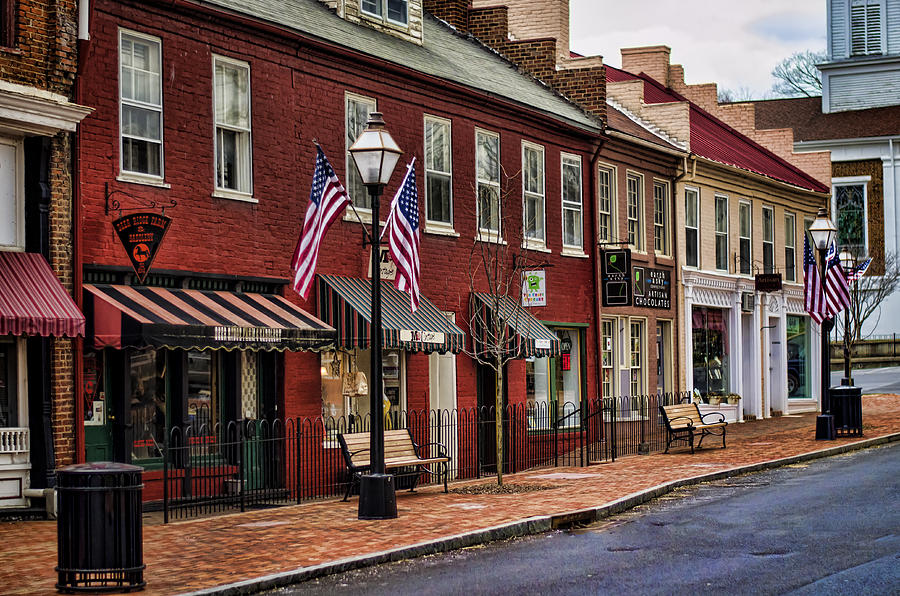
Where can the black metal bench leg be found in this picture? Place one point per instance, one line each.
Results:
(350, 487)
(723, 438)
(691, 434)
(702, 436)
(668, 440)
(446, 474)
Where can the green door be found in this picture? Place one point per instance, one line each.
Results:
(97, 434)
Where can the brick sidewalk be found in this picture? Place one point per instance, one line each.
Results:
(210, 552)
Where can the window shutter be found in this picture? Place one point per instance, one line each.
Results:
(857, 30)
(873, 29)
(865, 27)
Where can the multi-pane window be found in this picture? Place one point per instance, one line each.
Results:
(634, 191)
(232, 111)
(745, 257)
(358, 110)
(533, 191)
(768, 224)
(438, 172)
(140, 89)
(722, 233)
(692, 227)
(790, 250)
(607, 357)
(12, 199)
(8, 11)
(661, 217)
(606, 202)
(572, 202)
(396, 10)
(866, 22)
(850, 212)
(636, 362)
(487, 180)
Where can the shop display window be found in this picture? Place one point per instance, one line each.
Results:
(711, 351)
(798, 375)
(553, 385)
(148, 403)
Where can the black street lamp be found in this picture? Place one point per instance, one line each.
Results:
(848, 262)
(823, 232)
(376, 154)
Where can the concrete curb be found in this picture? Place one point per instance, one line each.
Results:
(524, 527)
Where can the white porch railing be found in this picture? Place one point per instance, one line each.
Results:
(13, 440)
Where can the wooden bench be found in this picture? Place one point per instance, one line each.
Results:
(684, 422)
(400, 451)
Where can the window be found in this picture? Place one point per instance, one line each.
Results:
(533, 192)
(798, 353)
(745, 215)
(636, 362)
(438, 173)
(148, 399)
(487, 179)
(606, 204)
(661, 217)
(358, 110)
(790, 244)
(140, 99)
(9, 366)
(12, 197)
(768, 222)
(722, 233)
(692, 227)
(8, 23)
(664, 357)
(553, 386)
(232, 109)
(396, 10)
(635, 199)
(572, 202)
(608, 357)
(711, 349)
(866, 27)
(849, 211)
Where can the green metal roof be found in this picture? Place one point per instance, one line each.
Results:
(445, 54)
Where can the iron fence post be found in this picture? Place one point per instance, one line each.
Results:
(297, 460)
(166, 476)
(241, 465)
(612, 426)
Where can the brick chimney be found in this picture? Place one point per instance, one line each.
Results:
(536, 19)
(455, 12)
(651, 60)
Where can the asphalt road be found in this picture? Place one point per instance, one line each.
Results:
(873, 380)
(828, 527)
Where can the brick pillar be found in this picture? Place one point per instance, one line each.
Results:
(651, 60)
(417, 386)
(455, 12)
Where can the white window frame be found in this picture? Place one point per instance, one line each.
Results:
(770, 242)
(696, 191)
(433, 225)
(487, 234)
(867, 35)
(350, 166)
(638, 244)
(790, 247)
(132, 175)
(614, 365)
(612, 229)
(721, 233)
(537, 242)
(749, 237)
(18, 197)
(240, 194)
(642, 357)
(383, 14)
(853, 181)
(572, 160)
(666, 250)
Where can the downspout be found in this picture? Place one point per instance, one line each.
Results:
(896, 192)
(680, 316)
(596, 271)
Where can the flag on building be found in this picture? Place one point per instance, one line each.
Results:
(857, 272)
(837, 291)
(402, 228)
(813, 297)
(327, 200)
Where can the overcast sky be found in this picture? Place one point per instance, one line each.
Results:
(734, 43)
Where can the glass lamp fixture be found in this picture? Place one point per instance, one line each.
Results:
(848, 261)
(822, 230)
(375, 152)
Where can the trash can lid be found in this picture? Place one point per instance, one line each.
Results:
(100, 467)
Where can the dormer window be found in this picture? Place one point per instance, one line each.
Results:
(393, 11)
(866, 27)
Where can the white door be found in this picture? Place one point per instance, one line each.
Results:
(443, 418)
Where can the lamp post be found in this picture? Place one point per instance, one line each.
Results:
(823, 232)
(376, 154)
(848, 261)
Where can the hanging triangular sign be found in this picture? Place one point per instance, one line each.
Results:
(141, 235)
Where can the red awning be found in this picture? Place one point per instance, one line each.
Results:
(32, 301)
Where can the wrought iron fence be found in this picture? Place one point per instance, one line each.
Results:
(211, 468)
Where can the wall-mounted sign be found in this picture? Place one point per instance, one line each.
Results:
(768, 282)
(388, 268)
(652, 287)
(534, 288)
(425, 337)
(141, 234)
(615, 276)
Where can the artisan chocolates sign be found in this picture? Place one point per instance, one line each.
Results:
(652, 287)
(141, 235)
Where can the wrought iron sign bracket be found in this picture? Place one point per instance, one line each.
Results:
(113, 204)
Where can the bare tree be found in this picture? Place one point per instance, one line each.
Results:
(797, 75)
(867, 295)
(742, 93)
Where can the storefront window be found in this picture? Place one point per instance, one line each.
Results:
(148, 403)
(7, 384)
(202, 408)
(636, 362)
(607, 356)
(798, 357)
(711, 352)
(553, 385)
(537, 392)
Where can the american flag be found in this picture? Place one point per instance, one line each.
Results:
(327, 199)
(837, 292)
(402, 228)
(814, 300)
(857, 272)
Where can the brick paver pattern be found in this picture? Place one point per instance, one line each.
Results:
(208, 552)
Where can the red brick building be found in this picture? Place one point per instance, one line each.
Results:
(210, 109)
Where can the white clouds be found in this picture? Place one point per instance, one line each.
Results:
(734, 44)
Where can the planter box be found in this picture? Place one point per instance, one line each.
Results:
(730, 411)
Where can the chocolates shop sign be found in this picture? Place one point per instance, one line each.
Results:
(652, 287)
(141, 234)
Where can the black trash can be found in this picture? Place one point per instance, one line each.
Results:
(846, 406)
(99, 528)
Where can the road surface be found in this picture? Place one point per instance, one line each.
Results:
(873, 380)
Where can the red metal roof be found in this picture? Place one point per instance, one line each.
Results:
(32, 301)
(713, 139)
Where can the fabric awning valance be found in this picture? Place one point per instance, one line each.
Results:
(346, 304)
(32, 301)
(132, 316)
(526, 335)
